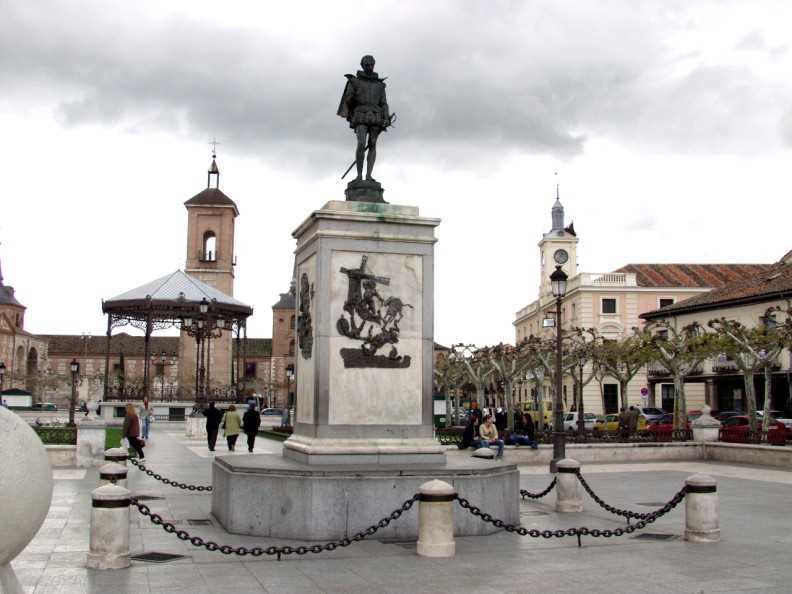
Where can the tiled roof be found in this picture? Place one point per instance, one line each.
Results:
(692, 275)
(773, 283)
(7, 296)
(286, 301)
(75, 344)
(211, 197)
(177, 286)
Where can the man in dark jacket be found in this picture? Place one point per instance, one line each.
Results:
(213, 418)
(251, 421)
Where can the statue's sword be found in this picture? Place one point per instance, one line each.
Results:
(352, 164)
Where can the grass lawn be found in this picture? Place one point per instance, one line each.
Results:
(112, 437)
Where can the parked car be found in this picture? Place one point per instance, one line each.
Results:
(571, 421)
(664, 424)
(651, 413)
(725, 414)
(272, 412)
(44, 406)
(736, 429)
(611, 423)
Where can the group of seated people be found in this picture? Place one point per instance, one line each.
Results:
(482, 432)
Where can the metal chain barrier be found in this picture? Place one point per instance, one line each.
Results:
(162, 479)
(579, 532)
(625, 513)
(528, 494)
(197, 541)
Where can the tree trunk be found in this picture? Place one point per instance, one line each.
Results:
(602, 398)
(509, 398)
(750, 398)
(581, 424)
(539, 406)
(623, 393)
(680, 402)
(447, 408)
(768, 398)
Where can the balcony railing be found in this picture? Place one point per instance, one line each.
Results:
(658, 370)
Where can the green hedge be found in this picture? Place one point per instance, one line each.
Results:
(57, 435)
(112, 437)
(276, 435)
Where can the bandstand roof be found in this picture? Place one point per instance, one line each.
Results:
(174, 295)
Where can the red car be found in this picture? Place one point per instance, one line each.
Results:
(735, 429)
(663, 427)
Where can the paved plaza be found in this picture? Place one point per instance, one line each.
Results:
(752, 556)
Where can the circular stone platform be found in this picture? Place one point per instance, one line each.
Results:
(269, 495)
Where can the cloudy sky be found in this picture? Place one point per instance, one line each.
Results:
(669, 124)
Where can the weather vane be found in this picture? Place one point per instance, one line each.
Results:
(213, 143)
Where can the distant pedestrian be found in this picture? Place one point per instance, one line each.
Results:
(624, 422)
(632, 420)
(475, 411)
(501, 420)
(251, 421)
(99, 408)
(131, 430)
(469, 434)
(213, 418)
(146, 415)
(231, 426)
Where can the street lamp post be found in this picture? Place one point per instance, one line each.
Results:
(75, 370)
(558, 283)
(289, 377)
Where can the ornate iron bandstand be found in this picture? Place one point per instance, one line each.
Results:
(194, 307)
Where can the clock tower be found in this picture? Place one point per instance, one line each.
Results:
(558, 247)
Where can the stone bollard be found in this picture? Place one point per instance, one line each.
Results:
(701, 509)
(119, 455)
(113, 473)
(109, 541)
(568, 497)
(436, 520)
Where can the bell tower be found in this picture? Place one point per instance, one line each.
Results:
(210, 258)
(558, 238)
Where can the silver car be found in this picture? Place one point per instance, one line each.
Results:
(571, 421)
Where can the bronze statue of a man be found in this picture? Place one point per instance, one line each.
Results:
(365, 107)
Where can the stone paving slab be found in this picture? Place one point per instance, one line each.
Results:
(752, 557)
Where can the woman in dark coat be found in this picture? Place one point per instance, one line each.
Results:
(131, 430)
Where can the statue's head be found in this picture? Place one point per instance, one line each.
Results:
(367, 64)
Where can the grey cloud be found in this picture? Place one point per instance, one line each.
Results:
(470, 81)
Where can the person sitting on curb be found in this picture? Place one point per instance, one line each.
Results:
(523, 434)
(489, 435)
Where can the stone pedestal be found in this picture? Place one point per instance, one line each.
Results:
(195, 427)
(109, 538)
(90, 442)
(364, 191)
(706, 427)
(364, 356)
(270, 495)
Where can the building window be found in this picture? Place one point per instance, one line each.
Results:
(665, 302)
(209, 247)
(250, 370)
(608, 305)
(611, 393)
(662, 334)
(291, 347)
(293, 321)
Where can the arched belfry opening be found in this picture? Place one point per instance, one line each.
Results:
(209, 246)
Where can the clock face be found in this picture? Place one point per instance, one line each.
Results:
(560, 257)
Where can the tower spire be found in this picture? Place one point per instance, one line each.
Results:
(213, 168)
(557, 212)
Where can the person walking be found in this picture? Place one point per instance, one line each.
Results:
(231, 425)
(213, 418)
(251, 421)
(131, 431)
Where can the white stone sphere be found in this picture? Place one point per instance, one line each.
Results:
(25, 484)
